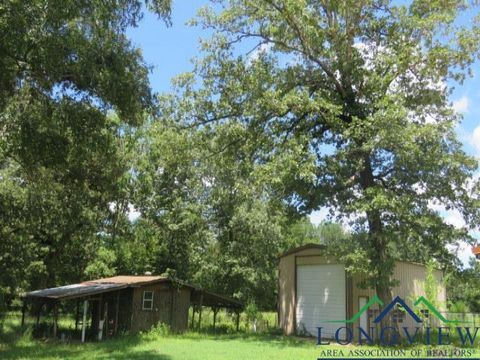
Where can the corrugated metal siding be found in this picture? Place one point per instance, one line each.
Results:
(411, 279)
(286, 294)
(410, 275)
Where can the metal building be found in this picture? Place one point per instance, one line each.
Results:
(315, 290)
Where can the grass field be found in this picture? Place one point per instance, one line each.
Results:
(202, 345)
(190, 346)
(187, 346)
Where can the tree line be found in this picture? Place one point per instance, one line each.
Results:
(292, 106)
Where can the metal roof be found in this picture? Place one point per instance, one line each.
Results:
(94, 287)
(207, 298)
(303, 247)
(99, 286)
(129, 279)
(324, 247)
(74, 291)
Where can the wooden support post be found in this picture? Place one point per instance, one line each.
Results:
(200, 312)
(238, 320)
(55, 319)
(24, 308)
(38, 314)
(192, 324)
(215, 311)
(172, 307)
(99, 329)
(84, 320)
(77, 315)
(105, 318)
(117, 306)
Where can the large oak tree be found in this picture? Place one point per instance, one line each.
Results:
(358, 90)
(65, 66)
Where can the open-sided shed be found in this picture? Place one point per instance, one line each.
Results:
(128, 303)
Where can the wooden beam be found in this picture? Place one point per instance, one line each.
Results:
(99, 319)
(38, 313)
(200, 312)
(193, 317)
(55, 319)
(117, 306)
(77, 315)
(105, 318)
(84, 321)
(215, 311)
(238, 320)
(24, 307)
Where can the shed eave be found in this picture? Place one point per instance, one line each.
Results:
(300, 248)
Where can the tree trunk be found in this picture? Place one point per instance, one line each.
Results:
(380, 257)
(383, 269)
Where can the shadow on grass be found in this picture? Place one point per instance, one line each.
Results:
(16, 343)
(121, 348)
(70, 353)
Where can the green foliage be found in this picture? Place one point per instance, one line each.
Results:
(463, 287)
(326, 110)
(157, 331)
(207, 212)
(431, 286)
(167, 191)
(458, 307)
(102, 265)
(251, 312)
(302, 232)
(345, 105)
(65, 67)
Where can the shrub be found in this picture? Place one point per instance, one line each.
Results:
(252, 314)
(156, 331)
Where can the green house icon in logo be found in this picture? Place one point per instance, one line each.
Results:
(397, 301)
(375, 300)
(422, 301)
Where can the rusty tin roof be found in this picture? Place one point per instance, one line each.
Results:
(94, 287)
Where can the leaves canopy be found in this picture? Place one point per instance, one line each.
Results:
(64, 65)
(358, 92)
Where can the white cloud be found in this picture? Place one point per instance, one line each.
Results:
(461, 105)
(451, 217)
(262, 49)
(419, 188)
(208, 182)
(133, 214)
(318, 216)
(455, 218)
(463, 251)
(475, 139)
(328, 214)
(436, 206)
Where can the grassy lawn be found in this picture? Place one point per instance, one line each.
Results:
(188, 346)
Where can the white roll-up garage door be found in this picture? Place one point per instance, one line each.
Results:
(320, 298)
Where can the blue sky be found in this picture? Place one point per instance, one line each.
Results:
(169, 50)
